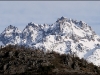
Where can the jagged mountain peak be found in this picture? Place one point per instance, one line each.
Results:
(64, 19)
(32, 24)
(11, 27)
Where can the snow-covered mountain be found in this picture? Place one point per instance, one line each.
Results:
(66, 36)
(11, 35)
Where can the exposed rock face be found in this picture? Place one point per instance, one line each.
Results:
(65, 36)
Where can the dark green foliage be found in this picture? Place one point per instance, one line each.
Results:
(18, 60)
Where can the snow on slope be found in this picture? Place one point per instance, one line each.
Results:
(65, 36)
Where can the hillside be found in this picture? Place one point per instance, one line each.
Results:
(18, 60)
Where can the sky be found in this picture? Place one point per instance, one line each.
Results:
(20, 13)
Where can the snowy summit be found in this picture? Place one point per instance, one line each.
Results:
(65, 36)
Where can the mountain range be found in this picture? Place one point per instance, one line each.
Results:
(65, 36)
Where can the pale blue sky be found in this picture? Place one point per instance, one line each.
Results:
(20, 13)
